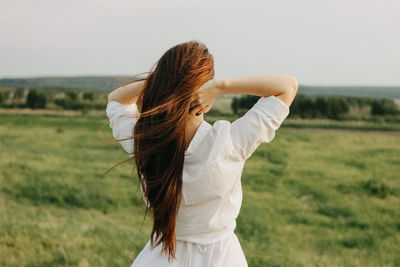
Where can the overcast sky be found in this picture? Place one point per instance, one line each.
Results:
(321, 42)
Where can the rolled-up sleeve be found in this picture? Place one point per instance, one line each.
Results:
(122, 120)
(258, 125)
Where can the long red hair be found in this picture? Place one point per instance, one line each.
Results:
(159, 133)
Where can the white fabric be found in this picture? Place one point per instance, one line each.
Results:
(211, 189)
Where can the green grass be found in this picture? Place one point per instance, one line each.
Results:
(310, 198)
(361, 125)
(342, 125)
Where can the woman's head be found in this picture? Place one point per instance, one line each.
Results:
(159, 133)
(179, 72)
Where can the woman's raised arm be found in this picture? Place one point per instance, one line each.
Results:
(283, 87)
(128, 93)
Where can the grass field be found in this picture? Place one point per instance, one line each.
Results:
(311, 198)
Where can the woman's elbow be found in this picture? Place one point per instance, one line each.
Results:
(110, 97)
(294, 84)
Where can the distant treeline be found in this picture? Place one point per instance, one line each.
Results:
(359, 91)
(304, 106)
(37, 98)
(84, 83)
(330, 107)
(107, 83)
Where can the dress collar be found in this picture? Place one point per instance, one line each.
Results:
(198, 137)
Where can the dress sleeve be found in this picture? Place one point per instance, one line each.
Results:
(258, 125)
(122, 118)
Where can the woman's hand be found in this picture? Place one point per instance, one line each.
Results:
(205, 96)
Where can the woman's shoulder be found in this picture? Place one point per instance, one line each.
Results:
(221, 141)
(209, 142)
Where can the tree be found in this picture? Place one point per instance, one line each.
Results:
(247, 101)
(336, 107)
(243, 102)
(36, 99)
(2, 98)
(235, 105)
(321, 106)
(303, 106)
(384, 107)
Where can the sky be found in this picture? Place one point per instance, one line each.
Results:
(321, 42)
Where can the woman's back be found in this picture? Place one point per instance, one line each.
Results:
(211, 182)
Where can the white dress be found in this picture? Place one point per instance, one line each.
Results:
(211, 189)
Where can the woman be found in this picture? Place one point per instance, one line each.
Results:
(189, 170)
